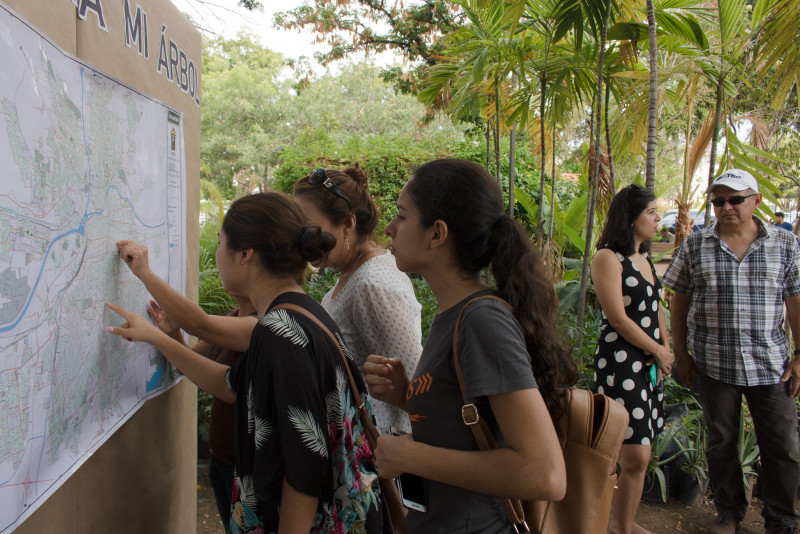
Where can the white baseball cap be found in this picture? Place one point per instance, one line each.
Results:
(736, 179)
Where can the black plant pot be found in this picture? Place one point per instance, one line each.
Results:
(686, 488)
(651, 493)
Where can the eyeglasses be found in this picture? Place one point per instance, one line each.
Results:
(733, 201)
(318, 176)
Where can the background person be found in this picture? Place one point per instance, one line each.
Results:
(302, 461)
(373, 302)
(731, 282)
(780, 223)
(633, 336)
(451, 224)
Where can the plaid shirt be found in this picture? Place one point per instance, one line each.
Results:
(735, 321)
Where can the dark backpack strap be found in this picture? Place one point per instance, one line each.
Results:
(480, 430)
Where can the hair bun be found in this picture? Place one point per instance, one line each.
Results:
(357, 175)
(314, 243)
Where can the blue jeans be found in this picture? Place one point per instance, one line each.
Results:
(221, 475)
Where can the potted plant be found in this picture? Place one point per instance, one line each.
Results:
(748, 451)
(691, 481)
(662, 452)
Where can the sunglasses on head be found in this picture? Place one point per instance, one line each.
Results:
(733, 201)
(318, 176)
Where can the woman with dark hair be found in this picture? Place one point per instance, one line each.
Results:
(450, 225)
(302, 461)
(373, 302)
(633, 337)
(188, 316)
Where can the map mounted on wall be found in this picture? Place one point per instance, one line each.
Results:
(84, 162)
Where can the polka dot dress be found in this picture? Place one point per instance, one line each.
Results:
(621, 370)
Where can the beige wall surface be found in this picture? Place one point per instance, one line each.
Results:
(143, 479)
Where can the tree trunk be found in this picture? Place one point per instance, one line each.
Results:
(488, 144)
(511, 169)
(552, 189)
(714, 141)
(683, 203)
(652, 118)
(612, 180)
(497, 130)
(542, 174)
(593, 180)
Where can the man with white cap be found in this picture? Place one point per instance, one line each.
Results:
(731, 282)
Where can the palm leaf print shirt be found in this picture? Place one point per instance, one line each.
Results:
(296, 419)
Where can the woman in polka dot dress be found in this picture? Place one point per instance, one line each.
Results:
(632, 338)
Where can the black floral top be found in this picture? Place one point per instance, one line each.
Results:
(296, 419)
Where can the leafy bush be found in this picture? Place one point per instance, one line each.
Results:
(428, 301)
(214, 300)
(319, 282)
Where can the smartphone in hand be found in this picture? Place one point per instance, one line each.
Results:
(411, 487)
(412, 492)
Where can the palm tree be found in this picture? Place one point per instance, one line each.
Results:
(729, 25)
(607, 7)
(471, 77)
(777, 46)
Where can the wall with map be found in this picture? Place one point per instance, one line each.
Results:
(99, 141)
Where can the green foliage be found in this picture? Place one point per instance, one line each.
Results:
(355, 118)
(693, 445)
(204, 401)
(214, 300)
(212, 297)
(658, 457)
(428, 301)
(747, 445)
(243, 107)
(348, 27)
(319, 282)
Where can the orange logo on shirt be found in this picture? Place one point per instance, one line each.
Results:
(418, 386)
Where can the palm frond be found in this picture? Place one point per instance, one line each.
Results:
(251, 414)
(310, 433)
(263, 430)
(281, 323)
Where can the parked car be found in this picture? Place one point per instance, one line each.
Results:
(699, 220)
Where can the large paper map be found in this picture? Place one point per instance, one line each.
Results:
(84, 161)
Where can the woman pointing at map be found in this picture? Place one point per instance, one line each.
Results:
(172, 312)
(300, 467)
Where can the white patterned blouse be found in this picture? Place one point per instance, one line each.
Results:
(378, 313)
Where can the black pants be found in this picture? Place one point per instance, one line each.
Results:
(221, 475)
(775, 421)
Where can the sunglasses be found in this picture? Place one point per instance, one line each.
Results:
(318, 176)
(733, 201)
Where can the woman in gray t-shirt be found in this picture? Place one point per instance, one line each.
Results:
(450, 225)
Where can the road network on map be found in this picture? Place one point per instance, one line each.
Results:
(84, 162)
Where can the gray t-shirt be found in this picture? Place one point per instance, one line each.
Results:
(494, 360)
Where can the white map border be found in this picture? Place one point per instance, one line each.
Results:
(180, 215)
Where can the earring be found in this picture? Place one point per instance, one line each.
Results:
(347, 243)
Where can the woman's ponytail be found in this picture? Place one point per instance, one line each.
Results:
(521, 281)
(466, 197)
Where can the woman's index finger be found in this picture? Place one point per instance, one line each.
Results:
(119, 311)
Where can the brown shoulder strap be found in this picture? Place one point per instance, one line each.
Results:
(480, 430)
(366, 420)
